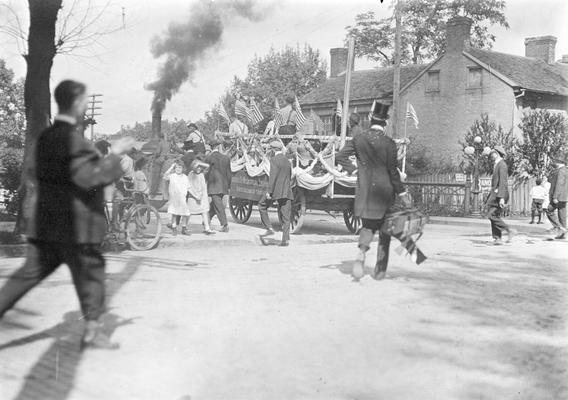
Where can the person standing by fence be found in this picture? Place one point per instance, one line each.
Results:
(538, 195)
(498, 197)
(558, 195)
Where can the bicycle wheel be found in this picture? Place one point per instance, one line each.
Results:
(143, 227)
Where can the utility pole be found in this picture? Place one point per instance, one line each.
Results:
(95, 105)
(347, 90)
(396, 83)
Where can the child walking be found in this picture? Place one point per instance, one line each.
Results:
(178, 189)
(538, 195)
(198, 201)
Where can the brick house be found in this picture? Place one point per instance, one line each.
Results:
(450, 93)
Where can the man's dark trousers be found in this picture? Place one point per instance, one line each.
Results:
(87, 270)
(557, 214)
(498, 226)
(366, 235)
(284, 213)
(218, 208)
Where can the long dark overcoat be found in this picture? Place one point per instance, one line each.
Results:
(378, 179)
(71, 175)
(280, 179)
(219, 175)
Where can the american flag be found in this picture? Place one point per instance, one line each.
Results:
(411, 113)
(339, 109)
(300, 118)
(242, 110)
(223, 113)
(256, 114)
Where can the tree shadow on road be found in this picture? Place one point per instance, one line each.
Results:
(515, 316)
(52, 376)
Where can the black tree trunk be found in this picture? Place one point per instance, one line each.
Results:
(39, 60)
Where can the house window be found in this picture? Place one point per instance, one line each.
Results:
(474, 77)
(433, 83)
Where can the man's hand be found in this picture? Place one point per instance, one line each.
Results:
(268, 196)
(122, 145)
(555, 201)
(501, 202)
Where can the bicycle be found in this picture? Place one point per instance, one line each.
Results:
(139, 222)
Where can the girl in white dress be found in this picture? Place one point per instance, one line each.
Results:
(198, 200)
(178, 189)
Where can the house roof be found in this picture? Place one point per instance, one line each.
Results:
(526, 72)
(365, 84)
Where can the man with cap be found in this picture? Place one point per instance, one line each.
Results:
(288, 116)
(558, 196)
(499, 196)
(218, 182)
(378, 184)
(196, 138)
(279, 190)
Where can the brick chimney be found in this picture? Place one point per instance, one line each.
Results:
(541, 47)
(457, 34)
(338, 64)
(156, 124)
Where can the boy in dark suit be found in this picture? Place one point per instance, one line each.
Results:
(279, 190)
(558, 196)
(218, 182)
(498, 197)
(69, 222)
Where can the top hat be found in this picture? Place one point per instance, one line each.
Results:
(379, 112)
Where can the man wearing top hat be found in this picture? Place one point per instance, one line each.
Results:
(218, 182)
(499, 196)
(279, 190)
(558, 196)
(378, 184)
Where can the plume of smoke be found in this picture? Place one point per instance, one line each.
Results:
(186, 43)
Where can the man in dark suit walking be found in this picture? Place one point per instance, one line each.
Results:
(499, 196)
(378, 184)
(218, 183)
(279, 190)
(558, 196)
(69, 222)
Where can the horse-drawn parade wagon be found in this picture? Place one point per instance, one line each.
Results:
(317, 184)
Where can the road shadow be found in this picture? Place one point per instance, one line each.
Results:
(517, 315)
(52, 376)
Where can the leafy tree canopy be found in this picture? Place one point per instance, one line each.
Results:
(424, 28)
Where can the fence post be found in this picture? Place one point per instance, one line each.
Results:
(467, 197)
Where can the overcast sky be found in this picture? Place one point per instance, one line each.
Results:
(121, 64)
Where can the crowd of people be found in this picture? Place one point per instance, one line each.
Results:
(75, 177)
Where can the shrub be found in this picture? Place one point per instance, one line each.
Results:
(11, 161)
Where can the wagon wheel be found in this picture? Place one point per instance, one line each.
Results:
(240, 209)
(352, 222)
(298, 210)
